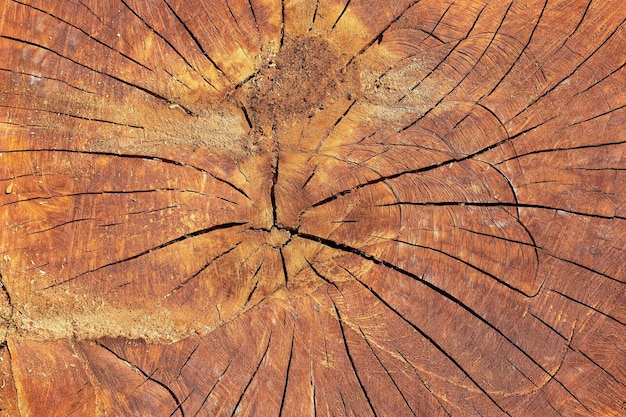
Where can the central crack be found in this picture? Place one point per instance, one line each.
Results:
(278, 237)
(292, 84)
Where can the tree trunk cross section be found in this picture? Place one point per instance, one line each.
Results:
(312, 207)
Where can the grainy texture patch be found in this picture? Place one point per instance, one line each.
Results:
(303, 77)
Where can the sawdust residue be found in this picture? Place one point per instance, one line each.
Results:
(297, 80)
(30, 322)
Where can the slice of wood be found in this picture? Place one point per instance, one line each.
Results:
(262, 207)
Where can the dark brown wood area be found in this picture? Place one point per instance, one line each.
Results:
(312, 208)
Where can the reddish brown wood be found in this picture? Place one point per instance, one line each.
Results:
(312, 207)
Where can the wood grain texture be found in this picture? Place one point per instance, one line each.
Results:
(312, 207)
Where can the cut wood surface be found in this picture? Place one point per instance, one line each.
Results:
(312, 208)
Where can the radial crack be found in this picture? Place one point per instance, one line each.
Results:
(532, 33)
(430, 340)
(393, 381)
(149, 377)
(258, 366)
(199, 271)
(319, 275)
(197, 42)
(206, 397)
(424, 169)
(282, 401)
(602, 313)
(347, 349)
(147, 251)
